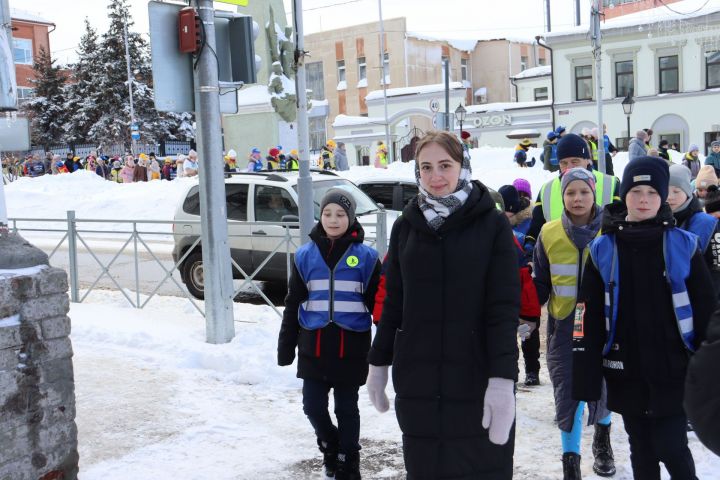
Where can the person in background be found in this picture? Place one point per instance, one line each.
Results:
(60, 166)
(524, 217)
(549, 155)
(128, 171)
(559, 255)
(691, 160)
(644, 302)
(561, 131)
(381, 156)
(255, 163)
(529, 304)
(190, 166)
(231, 161)
(140, 174)
(592, 140)
(713, 159)
(153, 168)
(115, 171)
(341, 160)
(327, 158)
(293, 160)
(521, 149)
(649, 133)
(179, 170)
(705, 177)
(54, 164)
(466, 139)
(69, 161)
(636, 147)
(101, 169)
(663, 151)
(272, 159)
(331, 293)
(610, 152)
(167, 169)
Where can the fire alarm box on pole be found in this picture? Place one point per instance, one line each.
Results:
(189, 30)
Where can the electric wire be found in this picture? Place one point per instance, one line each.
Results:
(684, 13)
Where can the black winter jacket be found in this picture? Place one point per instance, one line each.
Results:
(645, 368)
(330, 354)
(702, 389)
(449, 323)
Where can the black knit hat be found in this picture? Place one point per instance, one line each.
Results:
(511, 198)
(712, 200)
(646, 171)
(342, 198)
(572, 145)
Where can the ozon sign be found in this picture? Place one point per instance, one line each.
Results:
(492, 121)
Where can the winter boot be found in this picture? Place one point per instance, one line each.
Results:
(348, 466)
(532, 379)
(330, 454)
(571, 466)
(604, 464)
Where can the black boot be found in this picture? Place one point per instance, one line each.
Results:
(604, 464)
(571, 466)
(348, 466)
(330, 453)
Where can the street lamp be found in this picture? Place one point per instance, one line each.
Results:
(627, 104)
(460, 115)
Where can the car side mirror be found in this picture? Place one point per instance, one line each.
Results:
(290, 219)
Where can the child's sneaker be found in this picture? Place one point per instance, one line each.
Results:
(532, 379)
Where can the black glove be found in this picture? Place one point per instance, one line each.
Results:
(286, 357)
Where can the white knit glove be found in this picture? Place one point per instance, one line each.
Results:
(499, 409)
(376, 382)
(525, 329)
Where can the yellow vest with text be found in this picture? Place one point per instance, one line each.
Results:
(551, 195)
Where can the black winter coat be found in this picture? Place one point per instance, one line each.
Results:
(645, 372)
(702, 389)
(330, 354)
(449, 323)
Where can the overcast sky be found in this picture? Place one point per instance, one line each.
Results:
(442, 18)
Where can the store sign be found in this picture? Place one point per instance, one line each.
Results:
(492, 121)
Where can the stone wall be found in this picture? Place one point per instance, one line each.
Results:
(38, 438)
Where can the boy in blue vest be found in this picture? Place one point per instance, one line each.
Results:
(327, 317)
(643, 309)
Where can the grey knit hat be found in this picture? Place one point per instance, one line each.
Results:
(578, 173)
(680, 178)
(343, 198)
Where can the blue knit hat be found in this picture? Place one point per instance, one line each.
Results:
(572, 145)
(646, 171)
(551, 135)
(560, 129)
(511, 198)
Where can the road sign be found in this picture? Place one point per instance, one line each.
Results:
(135, 135)
(134, 127)
(242, 3)
(435, 105)
(435, 121)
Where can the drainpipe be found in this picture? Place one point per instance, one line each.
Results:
(512, 81)
(540, 42)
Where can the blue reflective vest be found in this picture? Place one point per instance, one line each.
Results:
(678, 248)
(702, 225)
(336, 295)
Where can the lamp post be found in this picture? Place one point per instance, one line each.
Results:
(460, 115)
(627, 104)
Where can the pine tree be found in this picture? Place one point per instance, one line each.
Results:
(83, 93)
(46, 106)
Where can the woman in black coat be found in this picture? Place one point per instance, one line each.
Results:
(449, 323)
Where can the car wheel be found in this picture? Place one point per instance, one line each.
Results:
(193, 275)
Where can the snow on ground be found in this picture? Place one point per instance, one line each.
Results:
(155, 401)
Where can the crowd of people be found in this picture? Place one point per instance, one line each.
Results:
(630, 274)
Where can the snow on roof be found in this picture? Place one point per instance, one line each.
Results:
(418, 90)
(16, 14)
(467, 44)
(671, 14)
(534, 72)
(343, 120)
(254, 95)
(502, 106)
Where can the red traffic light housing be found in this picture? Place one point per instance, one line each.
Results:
(188, 30)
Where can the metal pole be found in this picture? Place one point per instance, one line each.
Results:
(137, 266)
(547, 14)
(628, 127)
(130, 90)
(72, 252)
(305, 190)
(446, 63)
(3, 208)
(597, 52)
(390, 147)
(218, 287)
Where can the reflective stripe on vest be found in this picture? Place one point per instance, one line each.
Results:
(565, 273)
(337, 295)
(678, 248)
(702, 225)
(551, 197)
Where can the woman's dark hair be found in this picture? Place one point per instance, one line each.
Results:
(446, 140)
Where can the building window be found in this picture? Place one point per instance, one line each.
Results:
(712, 69)
(669, 74)
(541, 93)
(464, 70)
(341, 70)
(24, 94)
(386, 68)
(523, 63)
(22, 51)
(542, 62)
(670, 137)
(623, 78)
(314, 79)
(316, 127)
(583, 82)
(362, 69)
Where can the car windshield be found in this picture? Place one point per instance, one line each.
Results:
(364, 204)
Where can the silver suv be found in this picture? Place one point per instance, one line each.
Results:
(258, 197)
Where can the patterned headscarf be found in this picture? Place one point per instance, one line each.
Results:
(437, 209)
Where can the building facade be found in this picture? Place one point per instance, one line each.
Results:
(30, 34)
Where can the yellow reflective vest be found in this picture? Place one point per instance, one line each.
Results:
(566, 267)
(551, 195)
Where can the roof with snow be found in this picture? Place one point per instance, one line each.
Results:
(343, 120)
(254, 95)
(467, 44)
(16, 14)
(418, 90)
(669, 15)
(540, 71)
(502, 106)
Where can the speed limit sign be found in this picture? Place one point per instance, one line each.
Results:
(435, 105)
